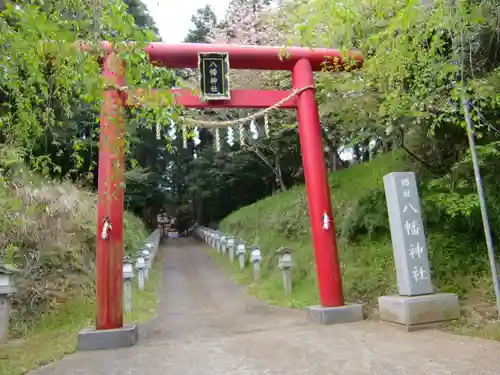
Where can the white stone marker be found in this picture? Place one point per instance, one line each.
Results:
(140, 265)
(128, 276)
(230, 246)
(152, 251)
(217, 241)
(285, 264)
(6, 287)
(408, 234)
(255, 258)
(240, 253)
(147, 256)
(223, 244)
(417, 304)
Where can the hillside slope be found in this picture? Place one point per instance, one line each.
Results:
(48, 233)
(459, 262)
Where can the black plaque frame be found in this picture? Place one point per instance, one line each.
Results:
(210, 62)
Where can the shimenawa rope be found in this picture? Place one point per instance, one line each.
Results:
(219, 124)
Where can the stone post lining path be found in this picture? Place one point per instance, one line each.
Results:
(207, 325)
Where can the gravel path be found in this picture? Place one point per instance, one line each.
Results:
(206, 325)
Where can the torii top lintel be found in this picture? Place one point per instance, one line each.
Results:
(185, 55)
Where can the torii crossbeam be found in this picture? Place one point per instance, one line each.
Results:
(302, 62)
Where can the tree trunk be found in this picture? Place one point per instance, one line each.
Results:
(366, 150)
(276, 169)
(279, 173)
(356, 153)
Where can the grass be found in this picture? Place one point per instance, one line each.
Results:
(459, 263)
(282, 220)
(48, 233)
(60, 328)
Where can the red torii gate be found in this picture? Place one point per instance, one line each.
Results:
(302, 62)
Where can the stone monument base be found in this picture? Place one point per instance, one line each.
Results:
(335, 315)
(419, 312)
(92, 339)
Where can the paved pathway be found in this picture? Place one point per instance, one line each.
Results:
(206, 325)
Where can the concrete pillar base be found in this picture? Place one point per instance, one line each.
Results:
(335, 315)
(92, 339)
(418, 312)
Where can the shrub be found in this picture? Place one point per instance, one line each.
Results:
(48, 232)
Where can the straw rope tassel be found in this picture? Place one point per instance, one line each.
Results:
(217, 140)
(158, 131)
(254, 131)
(266, 125)
(184, 138)
(216, 124)
(230, 135)
(196, 136)
(242, 135)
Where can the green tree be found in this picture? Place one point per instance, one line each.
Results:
(50, 96)
(204, 21)
(141, 15)
(421, 61)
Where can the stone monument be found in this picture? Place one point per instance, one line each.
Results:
(417, 304)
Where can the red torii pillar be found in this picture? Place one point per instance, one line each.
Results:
(302, 62)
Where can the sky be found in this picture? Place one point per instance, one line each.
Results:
(173, 17)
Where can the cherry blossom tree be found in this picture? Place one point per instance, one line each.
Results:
(249, 22)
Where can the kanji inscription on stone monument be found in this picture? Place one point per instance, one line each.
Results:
(408, 235)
